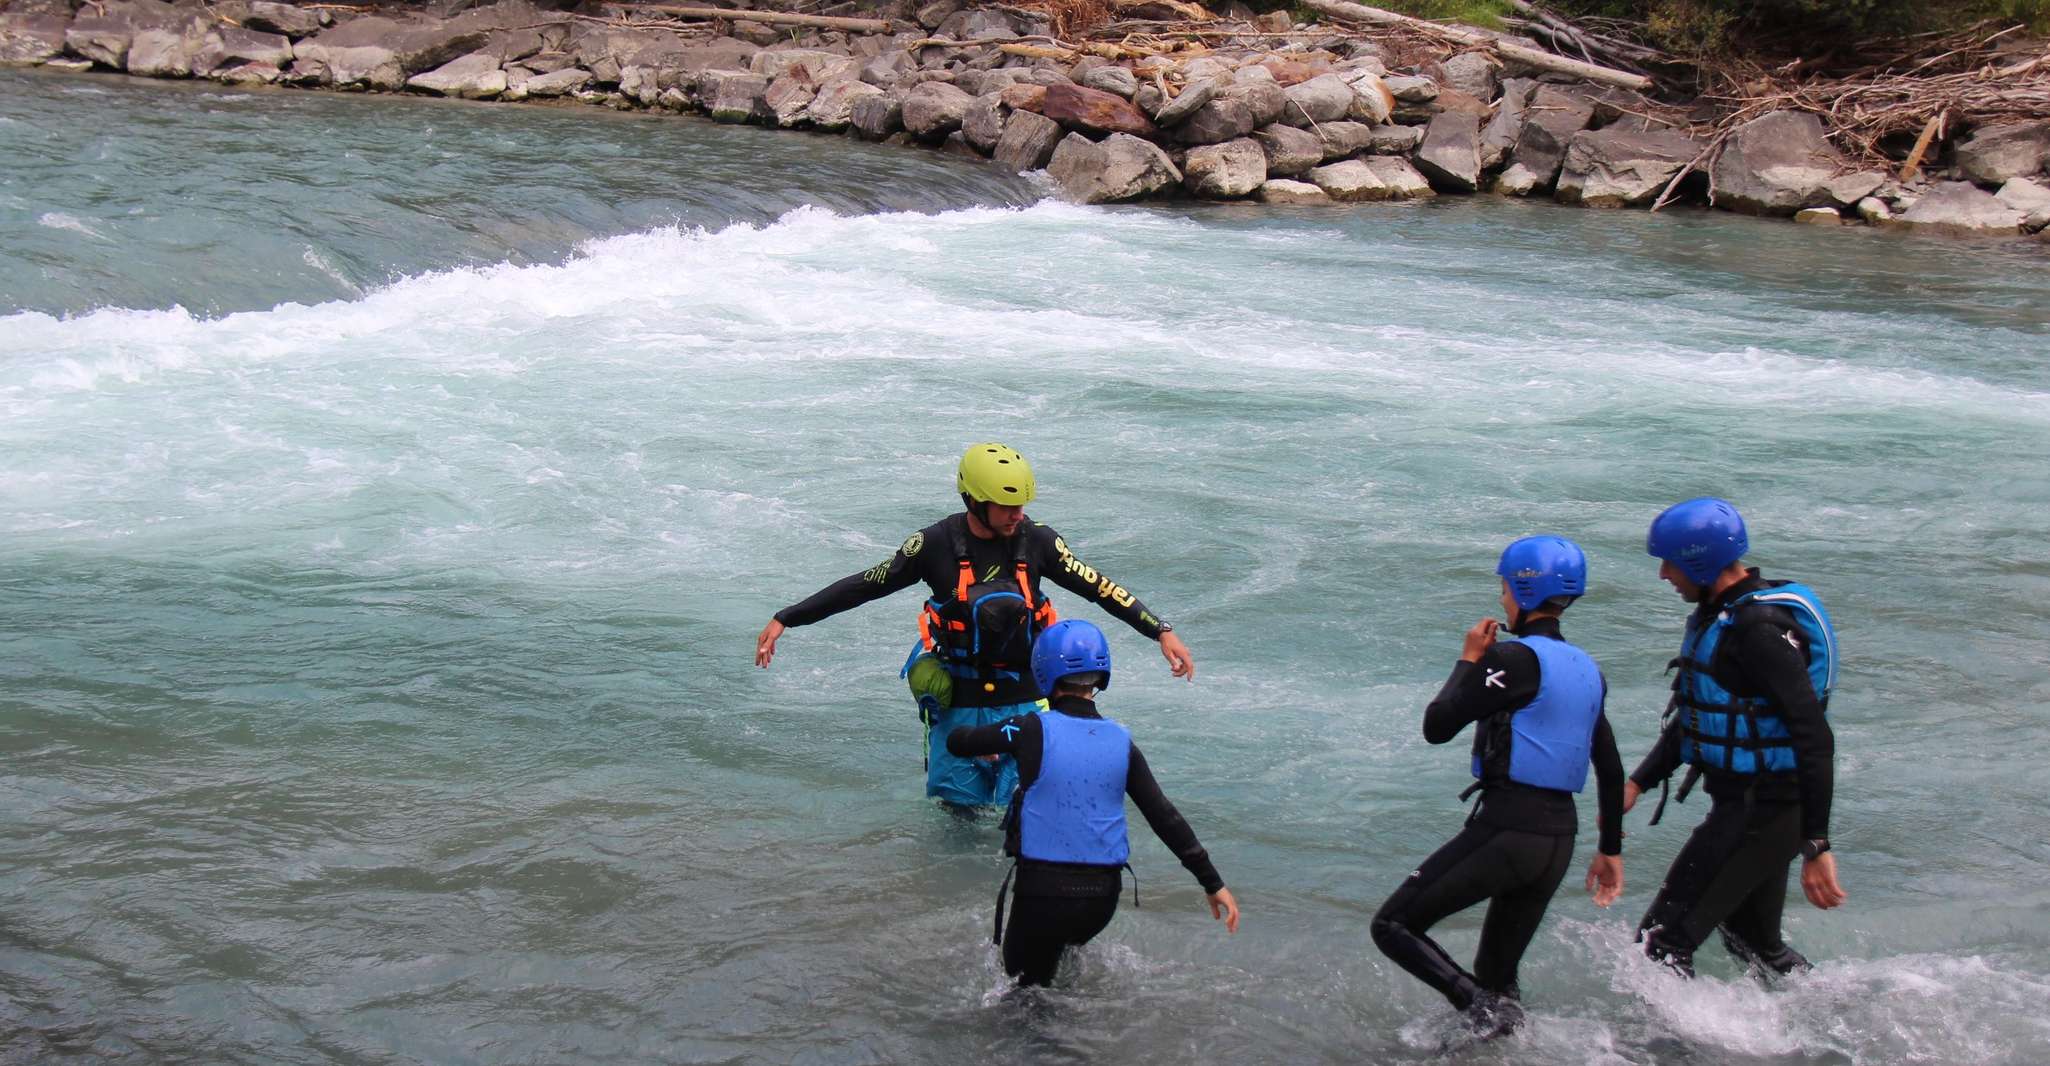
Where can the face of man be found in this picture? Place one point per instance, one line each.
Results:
(1681, 583)
(1509, 607)
(1003, 520)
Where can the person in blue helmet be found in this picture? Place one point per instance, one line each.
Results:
(1748, 716)
(1536, 704)
(1066, 824)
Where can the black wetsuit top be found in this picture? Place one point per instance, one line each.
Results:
(1503, 681)
(1025, 742)
(1763, 656)
(928, 555)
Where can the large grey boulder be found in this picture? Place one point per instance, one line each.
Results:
(376, 52)
(1110, 79)
(1775, 164)
(290, 20)
(1394, 140)
(105, 41)
(1289, 151)
(1343, 139)
(1411, 89)
(164, 53)
(820, 67)
(1551, 119)
(934, 109)
(1028, 142)
(228, 46)
(1451, 153)
(1372, 102)
(1194, 95)
(1996, 154)
(1248, 103)
(2031, 198)
(1472, 73)
(735, 96)
(1225, 171)
(878, 116)
(1324, 98)
(476, 76)
(1284, 191)
(889, 68)
(1402, 181)
(789, 98)
(833, 108)
(1618, 168)
(248, 74)
(982, 125)
(30, 40)
(1122, 168)
(557, 82)
(1852, 188)
(1350, 180)
(1961, 207)
(720, 53)
(1499, 135)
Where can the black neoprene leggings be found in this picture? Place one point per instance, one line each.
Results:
(1042, 927)
(1732, 873)
(1515, 872)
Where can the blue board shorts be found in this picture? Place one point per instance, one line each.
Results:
(967, 781)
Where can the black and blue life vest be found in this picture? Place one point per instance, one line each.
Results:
(1552, 736)
(1075, 810)
(1739, 734)
(986, 628)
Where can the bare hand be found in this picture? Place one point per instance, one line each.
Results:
(1177, 655)
(1818, 880)
(1222, 905)
(1630, 794)
(1479, 639)
(1605, 879)
(765, 645)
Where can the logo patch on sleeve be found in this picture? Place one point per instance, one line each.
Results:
(913, 544)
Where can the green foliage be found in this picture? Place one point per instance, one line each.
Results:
(1696, 27)
(1484, 13)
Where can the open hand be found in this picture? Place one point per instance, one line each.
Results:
(1177, 655)
(1605, 879)
(1222, 905)
(765, 645)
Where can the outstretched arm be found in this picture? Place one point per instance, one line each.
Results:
(898, 572)
(1078, 577)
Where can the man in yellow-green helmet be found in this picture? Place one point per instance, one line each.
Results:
(983, 566)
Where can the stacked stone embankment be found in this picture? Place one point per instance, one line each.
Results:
(1323, 119)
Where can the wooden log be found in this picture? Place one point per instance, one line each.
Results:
(777, 18)
(1528, 56)
(1929, 132)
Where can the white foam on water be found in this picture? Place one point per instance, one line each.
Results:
(59, 220)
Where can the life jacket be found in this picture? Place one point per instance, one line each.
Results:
(987, 628)
(1739, 734)
(1552, 736)
(1075, 810)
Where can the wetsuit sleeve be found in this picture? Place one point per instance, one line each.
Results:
(1168, 823)
(898, 572)
(1078, 577)
(1608, 782)
(1504, 679)
(1774, 661)
(1007, 737)
(1663, 758)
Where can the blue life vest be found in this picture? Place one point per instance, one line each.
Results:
(1739, 734)
(1552, 736)
(1075, 809)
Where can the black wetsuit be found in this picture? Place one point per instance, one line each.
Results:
(1516, 845)
(929, 556)
(1732, 873)
(1058, 905)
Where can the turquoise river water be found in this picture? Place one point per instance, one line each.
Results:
(391, 491)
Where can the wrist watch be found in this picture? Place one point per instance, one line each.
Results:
(1166, 628)
(1812, 849)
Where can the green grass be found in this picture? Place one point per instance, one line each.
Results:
(1484, 13)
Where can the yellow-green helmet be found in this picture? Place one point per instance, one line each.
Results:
(994, 473)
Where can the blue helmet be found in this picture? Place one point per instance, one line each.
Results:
(1701, 537)
(1539, 568)
(1070, 647)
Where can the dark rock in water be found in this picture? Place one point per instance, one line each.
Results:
(957, 144)
(1451, 153)
(288, 19)
(1997, 154)
(1028, 141)
(1290, 151)
(104, 41)
(1960, 207)
(934, 109)
(1122, 168)
(1618, 168)
(248, 74)
(1776, 164)
(1225, 171)
(789, 98)
(983, 123)
(734, 96)
(879, 116)
(1094, 111)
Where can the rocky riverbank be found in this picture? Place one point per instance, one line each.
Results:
(1277, 113)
